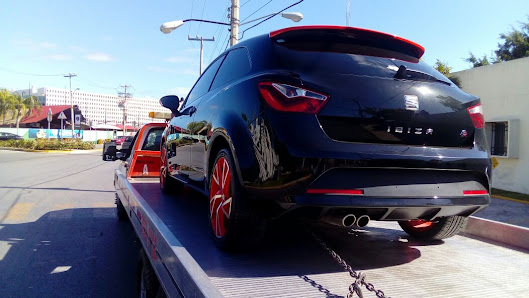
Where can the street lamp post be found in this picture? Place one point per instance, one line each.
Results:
(168, 27)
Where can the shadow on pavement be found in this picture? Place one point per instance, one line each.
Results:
(68, 253)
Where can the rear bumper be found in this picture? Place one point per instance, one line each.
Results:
(394, 208)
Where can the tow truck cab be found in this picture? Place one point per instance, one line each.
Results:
(142, 158)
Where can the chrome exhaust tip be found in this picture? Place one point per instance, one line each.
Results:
(362, 221)
(348, 220)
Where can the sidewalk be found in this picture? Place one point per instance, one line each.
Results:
(507, 212)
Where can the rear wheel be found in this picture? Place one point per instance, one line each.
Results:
(442, 228)
(121, 212)
(148, 285)
(167, 183)
(234, 223)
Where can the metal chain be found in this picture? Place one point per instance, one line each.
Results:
(355, 287)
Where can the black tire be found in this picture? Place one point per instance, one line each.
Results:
(147, 283)
(121, 212)
(244, 228)
(168, 184)
(442, 228)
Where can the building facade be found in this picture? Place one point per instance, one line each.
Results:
(504, 92)
(99, 108)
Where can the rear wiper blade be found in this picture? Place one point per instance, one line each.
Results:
(410, 74)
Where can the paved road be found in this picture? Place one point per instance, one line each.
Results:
(59, 235)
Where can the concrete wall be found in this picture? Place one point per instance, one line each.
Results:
(504, 92)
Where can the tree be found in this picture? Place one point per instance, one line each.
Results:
(23, 107)
(477, 62)
(6, 104)
(442, 67)
(513, 45)
(445, 69)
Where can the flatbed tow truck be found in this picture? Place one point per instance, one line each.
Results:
(179, 258)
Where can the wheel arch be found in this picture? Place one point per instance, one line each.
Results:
(238, 148)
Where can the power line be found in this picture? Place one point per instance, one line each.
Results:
(242, 34)
(30, 74)
(201, 15)
(257, 10)
(211, 55)
(192, 5)
(245, 3)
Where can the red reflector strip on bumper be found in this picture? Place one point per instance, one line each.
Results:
(475, 192)
(335, 191)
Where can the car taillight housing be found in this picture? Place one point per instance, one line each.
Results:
(476, 114)
(287, 98)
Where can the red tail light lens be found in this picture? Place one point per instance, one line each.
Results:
(335, 191)
(475, 192)
(287, 98)
(476, 114)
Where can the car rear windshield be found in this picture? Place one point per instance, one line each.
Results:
(320, 57)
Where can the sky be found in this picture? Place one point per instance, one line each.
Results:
(113, 43)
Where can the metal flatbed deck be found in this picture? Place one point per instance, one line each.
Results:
(291, 263)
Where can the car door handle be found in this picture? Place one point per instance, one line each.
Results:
(192, 110)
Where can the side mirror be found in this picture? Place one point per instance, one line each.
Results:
(109, 151)
(172, 102)
(120, 155)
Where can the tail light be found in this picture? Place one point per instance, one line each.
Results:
(287, 98)
(476, 114)
(475, 192)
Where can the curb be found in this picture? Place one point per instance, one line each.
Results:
(50, 151)
(510, 199)
(498, 231)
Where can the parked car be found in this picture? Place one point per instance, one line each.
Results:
(120, 140)
(126, 143)
(338, 124)
(9, 136)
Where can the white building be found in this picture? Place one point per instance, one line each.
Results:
(504, 92)
(100, 108)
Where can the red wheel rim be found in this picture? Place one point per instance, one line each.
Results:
(220, 197)
(163, 168)
(419, 225)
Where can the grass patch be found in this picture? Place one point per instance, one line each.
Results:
(44, 144)
(510, 194)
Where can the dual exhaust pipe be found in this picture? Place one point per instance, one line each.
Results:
(349, 220)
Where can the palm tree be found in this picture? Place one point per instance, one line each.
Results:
(32, 103)
(24, 106)
(6, 104)
(19, 107)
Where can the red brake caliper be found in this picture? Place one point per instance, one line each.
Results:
(220, 197)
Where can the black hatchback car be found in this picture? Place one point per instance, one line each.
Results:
(338, 124)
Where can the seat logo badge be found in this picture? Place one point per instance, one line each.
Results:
(411, 102)
(463, 133)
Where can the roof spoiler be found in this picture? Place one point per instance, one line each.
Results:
(353, 36)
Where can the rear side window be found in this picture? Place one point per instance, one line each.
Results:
(202, 85)
(153, 139)
(235, 66)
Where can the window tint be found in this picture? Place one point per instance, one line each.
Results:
(315, 57)
(202, 86)
(153, 139)
(235, 66)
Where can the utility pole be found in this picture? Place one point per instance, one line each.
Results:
(234, 22)
(124, 95)
(201, 39)
(72, 119)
